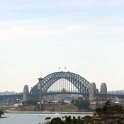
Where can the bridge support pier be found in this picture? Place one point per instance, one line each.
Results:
(92, 91)
(25, 93)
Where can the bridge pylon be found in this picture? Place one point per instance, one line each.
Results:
(92, 91)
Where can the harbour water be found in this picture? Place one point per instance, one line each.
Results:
(21, 118)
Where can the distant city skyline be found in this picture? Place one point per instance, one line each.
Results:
(38, 37)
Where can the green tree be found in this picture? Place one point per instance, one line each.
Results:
(68, 119)
(87, 120)
(56, 120)
(1, 112)
(81, 104)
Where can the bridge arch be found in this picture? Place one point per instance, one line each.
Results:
(78, 81)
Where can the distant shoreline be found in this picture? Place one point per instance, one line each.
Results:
(45, 112)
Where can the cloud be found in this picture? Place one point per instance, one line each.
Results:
(47, 4)
(32, 29)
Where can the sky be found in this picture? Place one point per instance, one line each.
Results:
(39, 36)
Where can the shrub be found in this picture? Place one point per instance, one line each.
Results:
(1, 112)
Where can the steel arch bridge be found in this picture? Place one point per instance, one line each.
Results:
(78, 81)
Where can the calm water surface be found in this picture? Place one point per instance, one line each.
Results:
(32, 118)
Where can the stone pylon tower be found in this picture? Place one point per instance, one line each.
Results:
(92, 91)
(25, 93)
(103, 88)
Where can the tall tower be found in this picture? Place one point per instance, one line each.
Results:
(25, 93)
(92, 91)
(103, 88)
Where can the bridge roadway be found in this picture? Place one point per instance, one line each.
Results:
(55, 93)
(16, 98)
(97, 95)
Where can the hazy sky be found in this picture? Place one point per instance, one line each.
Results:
(39, 36)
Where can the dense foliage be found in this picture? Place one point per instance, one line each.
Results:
(83, 105)
(110, 109)
(69, 120)
(107, 109)
(1, 112)
(30, 102)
